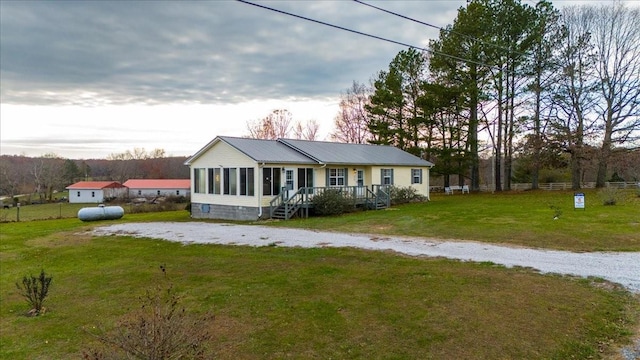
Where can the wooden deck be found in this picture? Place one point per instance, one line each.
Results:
(299, 203)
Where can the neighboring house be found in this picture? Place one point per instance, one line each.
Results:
(248, 179)
(158, 187)
(95, 191)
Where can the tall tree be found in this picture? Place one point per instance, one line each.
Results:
(459, 60)
(395, 114)
(509, 36)
(351, 121)
(574, 89)
(615, 35)
(541, 71)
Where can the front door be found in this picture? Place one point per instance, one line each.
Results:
(360, 190)
(290, 182)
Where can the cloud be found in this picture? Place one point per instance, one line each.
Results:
(209, 52)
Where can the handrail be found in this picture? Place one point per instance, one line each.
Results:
(371, 197)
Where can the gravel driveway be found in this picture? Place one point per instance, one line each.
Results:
(622, 268)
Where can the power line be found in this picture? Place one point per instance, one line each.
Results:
(436, 27)
(365, 34)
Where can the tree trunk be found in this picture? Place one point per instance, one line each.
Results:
(605, 152)
(473, 133)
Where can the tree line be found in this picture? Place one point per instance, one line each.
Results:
(50, 173)
(529, 85)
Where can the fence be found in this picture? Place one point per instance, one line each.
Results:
(566, 186)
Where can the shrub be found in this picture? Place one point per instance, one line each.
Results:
(403, 195)
(163, 206)
(331, 202)
(609, 195)
(159, 329)
(35, 290)
(557, 211)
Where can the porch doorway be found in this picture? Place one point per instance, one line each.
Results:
(360, 189)
(290, 182)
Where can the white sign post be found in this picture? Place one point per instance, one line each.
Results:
(578, 201)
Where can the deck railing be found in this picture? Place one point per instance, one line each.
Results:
(301, 200)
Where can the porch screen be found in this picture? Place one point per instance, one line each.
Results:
(271, 181)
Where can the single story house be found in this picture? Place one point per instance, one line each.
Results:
(158, 187)
(247, 179)
(95, 191)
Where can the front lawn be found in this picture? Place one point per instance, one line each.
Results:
(273, 302)
(513, 218)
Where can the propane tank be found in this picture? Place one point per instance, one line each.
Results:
(100, 213)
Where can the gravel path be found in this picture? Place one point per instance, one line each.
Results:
(622, 268)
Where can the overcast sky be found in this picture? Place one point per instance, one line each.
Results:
(84, 79)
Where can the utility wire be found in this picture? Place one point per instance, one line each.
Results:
(367, 35)
(436, 27)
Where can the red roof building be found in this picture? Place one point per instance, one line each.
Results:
(158, 187)
(95, 191)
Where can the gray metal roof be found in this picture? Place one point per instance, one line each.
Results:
(267, 151)
(358, 154)
(289, 151)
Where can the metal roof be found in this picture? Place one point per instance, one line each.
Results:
(95, 185)
(267, 151)
(289, 151)
(360, 154)
(158, 183)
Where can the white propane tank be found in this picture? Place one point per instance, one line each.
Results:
(100, 213)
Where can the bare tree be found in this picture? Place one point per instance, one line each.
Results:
(275, 125)
(573, 95)
(48, 175)
(308, 131)
(352, 119)
(615, 34)
(10, 178)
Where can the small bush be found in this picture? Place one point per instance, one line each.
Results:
(159, 207)
(403, 195)
(159, 329)
(35, 291)
(331, 202)
(557, 211)
(609, 196)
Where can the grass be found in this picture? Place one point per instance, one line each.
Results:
(521, 219)
(273, 302)
(65, 210)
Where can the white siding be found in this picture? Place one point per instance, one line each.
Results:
(225, 156)
(154, 192)
(85, 196)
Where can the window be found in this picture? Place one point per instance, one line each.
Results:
(230, 181)
(246, 182)
(139, 192)
(336, 177)
(93, 194)
(305, 177)
(178, 192)
(271, 181)
(214, 181)
(78, 193)
(386, 176)
(199, 181)
(416, 176)
(158, 192)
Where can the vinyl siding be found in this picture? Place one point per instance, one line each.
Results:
(223, 155)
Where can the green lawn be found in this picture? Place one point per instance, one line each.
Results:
(518, 218)
(273, 302)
